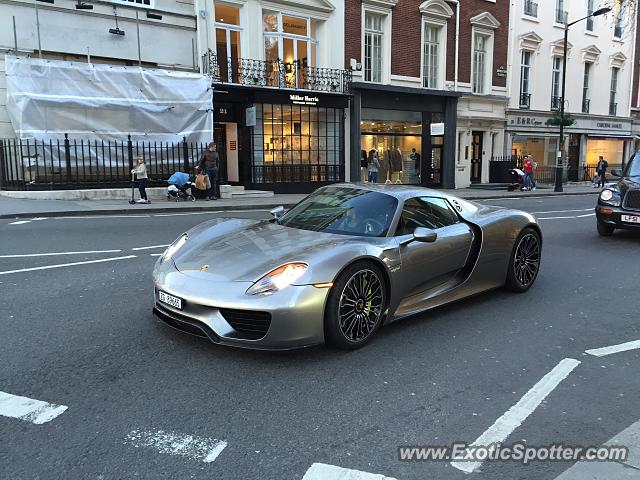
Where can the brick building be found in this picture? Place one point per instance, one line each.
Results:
(421, 64)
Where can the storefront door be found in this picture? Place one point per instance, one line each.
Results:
(220, 135)
(476, 157)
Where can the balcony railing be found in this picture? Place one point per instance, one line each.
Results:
(525, 100)
(530, 8)
(613, 108)
(555, 103)
(585, 105)
(276, 74)
(561, 16)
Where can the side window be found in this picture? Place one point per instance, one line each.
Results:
(429, 212)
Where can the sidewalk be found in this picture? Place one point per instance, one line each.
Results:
(27, 208)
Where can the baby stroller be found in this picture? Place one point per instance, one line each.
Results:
(180, 187)
(517, 179)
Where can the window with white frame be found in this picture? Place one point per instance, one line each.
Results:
(556, 73)
(619, 26)
(561, 13)
(585, 87)
(590, 19)
(525, 79)
(228, 33)
(431, 52)
(373, 46)
(613, 94)
(480, 42)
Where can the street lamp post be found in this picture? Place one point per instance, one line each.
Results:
(560, 155)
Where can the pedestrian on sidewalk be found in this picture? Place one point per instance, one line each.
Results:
(210, 164)
(527, 168)
(140, 172)
(373, 166)
(364, 166)
(601, 170)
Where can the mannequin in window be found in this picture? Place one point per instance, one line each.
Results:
(385, 167)
(396, 161)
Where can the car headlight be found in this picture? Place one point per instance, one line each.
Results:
(174, 247)
(610, 197)
(278, 279)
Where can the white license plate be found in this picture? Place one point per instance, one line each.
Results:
(631, 218)
(175, 302)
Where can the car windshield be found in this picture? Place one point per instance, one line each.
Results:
(343, 210)
(633, 168)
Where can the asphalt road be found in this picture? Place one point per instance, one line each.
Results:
(83, 336)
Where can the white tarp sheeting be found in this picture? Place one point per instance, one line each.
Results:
(48, 98)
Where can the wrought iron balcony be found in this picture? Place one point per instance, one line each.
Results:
(556, 102)
(613, 108)
(275, 74)
(530, 8)
(562, 16)
(585, 105)
(525, 100)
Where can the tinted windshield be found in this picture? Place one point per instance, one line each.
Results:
(347, 211)
(633, 168)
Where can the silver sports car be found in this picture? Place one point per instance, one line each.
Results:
(344, 261)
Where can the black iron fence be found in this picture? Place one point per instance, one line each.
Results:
(276, 73)
(28, 164)
(300, 173)
(499, 168)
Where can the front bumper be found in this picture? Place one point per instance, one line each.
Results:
(613, 216)
(297, 312)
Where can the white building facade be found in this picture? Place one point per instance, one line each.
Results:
(599, 73)
(150, 33)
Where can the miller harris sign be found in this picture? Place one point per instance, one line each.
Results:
(303, 100)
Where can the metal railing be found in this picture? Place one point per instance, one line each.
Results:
(562, 16)
(275, 73)
(300, 173)
(525, 100)
(499, 168)
(27, 164)
(613, 108)
(555, 103)
(585, 105)
(530, 8)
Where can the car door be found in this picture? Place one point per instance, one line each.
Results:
(426, 266)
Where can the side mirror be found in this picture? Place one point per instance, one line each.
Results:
(277, 212)
(617, 172)
(425, 235)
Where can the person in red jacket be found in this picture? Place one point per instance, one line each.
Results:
(528, 167)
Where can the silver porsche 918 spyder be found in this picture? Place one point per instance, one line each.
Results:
(344, 261)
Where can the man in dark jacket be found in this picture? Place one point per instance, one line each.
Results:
(210, 164)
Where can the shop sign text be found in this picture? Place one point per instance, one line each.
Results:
(609, 125)
(527, 121)
(303, 100)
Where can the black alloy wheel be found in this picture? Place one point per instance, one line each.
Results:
(524, 264)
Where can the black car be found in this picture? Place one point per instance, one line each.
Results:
(619, 205)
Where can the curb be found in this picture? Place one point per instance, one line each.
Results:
(266, 206)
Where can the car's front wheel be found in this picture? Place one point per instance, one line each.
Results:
(524, 263)
(604, 229)
(356, 306)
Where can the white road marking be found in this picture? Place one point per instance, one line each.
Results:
(91, 217)
(208, 212)
(156, 254)
(623, 347)
(28, 409)
(322, 471)
(37, 219)
(171, 443)
(25, 255)
(564, 211)
(20, 222)
(153, 247)
(47, 267)
(513, 418)
(587, 215)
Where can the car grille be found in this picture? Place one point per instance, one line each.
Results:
(253, 325)
(632, 200)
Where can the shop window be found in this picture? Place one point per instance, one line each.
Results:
(373, 46)
(294, 143)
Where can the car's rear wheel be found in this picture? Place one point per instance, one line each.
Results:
(525, 261)
(604, 229)
(356, 306)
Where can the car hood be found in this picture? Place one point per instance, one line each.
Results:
(243, 250)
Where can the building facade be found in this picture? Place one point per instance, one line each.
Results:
(428, 75)
(150, 33)
(280, 90)
(599, 73)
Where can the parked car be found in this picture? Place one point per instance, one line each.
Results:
(344, 261)
(619, 204)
